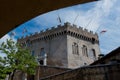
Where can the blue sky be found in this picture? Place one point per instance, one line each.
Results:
(95, 16)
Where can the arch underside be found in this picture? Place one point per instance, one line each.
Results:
(13, 13)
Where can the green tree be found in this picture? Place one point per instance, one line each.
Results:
(17, 58)
(2, 70)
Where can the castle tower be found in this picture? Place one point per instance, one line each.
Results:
(65, 46)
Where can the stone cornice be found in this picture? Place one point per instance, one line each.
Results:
(66, 29)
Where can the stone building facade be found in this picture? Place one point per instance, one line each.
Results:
(65, 46)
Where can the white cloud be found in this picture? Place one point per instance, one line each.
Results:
(103, 14)
(3, 39)
(90, 19)
(96, 15)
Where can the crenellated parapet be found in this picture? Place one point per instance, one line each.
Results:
(66, 29)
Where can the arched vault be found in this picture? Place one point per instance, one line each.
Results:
(16, 12)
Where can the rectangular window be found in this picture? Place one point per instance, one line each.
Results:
(33, 53)
(75, 48)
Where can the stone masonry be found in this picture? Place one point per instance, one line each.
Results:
(64, 46)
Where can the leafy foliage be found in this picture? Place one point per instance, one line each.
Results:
(2, 72)
(17, 58)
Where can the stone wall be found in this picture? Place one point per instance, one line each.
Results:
(55, 48)
(41, 72)
(99, 72)
(78, 60)
(44, 71)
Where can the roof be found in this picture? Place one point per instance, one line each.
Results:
(111, 54)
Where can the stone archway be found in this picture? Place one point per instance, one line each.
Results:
(14, 13)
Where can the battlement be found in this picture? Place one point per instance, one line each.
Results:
(67, 29)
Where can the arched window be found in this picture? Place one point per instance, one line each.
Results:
(42, 52)
(84, 51)
(92, 54)
(75, 48)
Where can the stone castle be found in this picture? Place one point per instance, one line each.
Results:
(64, 46)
